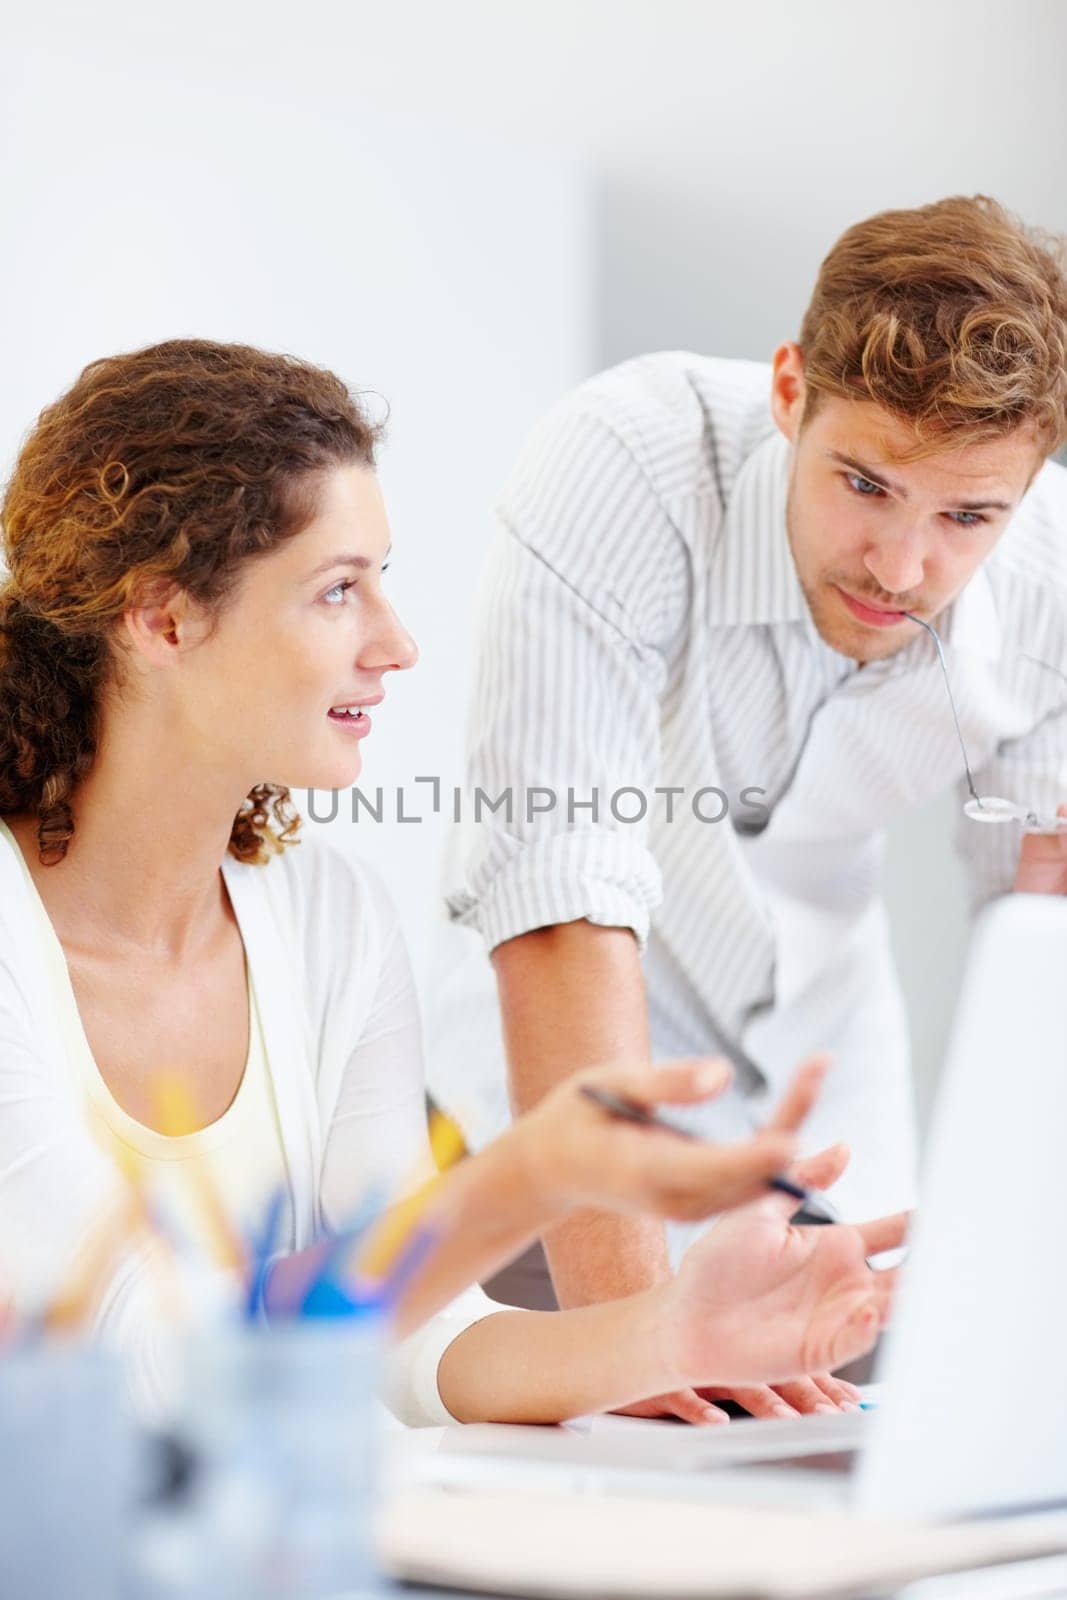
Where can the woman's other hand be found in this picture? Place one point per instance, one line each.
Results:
(757, 1300)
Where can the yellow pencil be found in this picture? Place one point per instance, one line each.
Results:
(106, 1238)
(388, 1237)
(178, 1115)
(131, 1165)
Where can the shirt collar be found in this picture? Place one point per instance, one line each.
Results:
(753, 577)
(971, 622)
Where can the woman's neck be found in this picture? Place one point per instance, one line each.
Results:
(141, 874)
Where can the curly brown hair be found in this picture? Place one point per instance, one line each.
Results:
(178, 463)
(953, 315)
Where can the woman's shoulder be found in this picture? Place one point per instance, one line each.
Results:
(26, 1007)
(16, 902)
(326, 895)
(335, 940)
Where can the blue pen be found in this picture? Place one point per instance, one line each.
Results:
(262, 1251)
(320, 1298)
(327, 1299)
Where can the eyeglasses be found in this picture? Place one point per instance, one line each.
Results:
(989, 808)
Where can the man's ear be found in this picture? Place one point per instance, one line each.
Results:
(788, 390)
(158, 623)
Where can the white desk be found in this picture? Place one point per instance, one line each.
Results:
(618, 1455)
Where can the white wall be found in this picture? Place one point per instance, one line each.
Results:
(443, 270)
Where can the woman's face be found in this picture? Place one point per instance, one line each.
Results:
(308, 633)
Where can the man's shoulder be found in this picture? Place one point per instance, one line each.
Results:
(672, 383)
(1033, 550)
(686, 418)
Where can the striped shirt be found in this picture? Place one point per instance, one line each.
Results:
(687, 758)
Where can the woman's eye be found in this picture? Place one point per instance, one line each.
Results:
(336, 595)
(863, 486)
(966, 519)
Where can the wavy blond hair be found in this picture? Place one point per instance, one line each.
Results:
(952, 315)
(178, 463)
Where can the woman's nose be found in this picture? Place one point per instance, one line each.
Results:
(407, 651)
(391, 648)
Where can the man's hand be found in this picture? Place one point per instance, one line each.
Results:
(759, 1301)
(1043, 862)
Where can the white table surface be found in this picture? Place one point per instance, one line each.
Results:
(629, 1454)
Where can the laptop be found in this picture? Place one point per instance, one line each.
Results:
(974, 1419)
(972, 1412)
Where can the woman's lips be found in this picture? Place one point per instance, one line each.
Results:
(355, 727)
(873, 616)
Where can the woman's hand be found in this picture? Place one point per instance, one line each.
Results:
(1043, 862)
(581, 1155)
(757, 1301)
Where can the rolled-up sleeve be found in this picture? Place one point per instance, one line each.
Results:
(410, 1388)
(579, 613)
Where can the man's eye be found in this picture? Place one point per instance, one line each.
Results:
(861, 485)
(966, 519)
(336, 595)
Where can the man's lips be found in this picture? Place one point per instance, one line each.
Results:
(873, 616)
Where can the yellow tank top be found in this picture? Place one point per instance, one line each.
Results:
(240, 1154)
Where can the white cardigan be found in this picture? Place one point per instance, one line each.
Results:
(341, 1027)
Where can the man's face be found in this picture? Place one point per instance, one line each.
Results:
(873, 536)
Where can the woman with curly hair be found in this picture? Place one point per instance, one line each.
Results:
(195, 621)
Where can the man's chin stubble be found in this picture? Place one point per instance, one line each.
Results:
(852, 640)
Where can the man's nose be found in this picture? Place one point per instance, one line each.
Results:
(897, 564)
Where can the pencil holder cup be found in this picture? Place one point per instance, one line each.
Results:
(282, 1425)
(67, 1462)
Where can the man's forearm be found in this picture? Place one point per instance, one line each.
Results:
(573, 996)
(596, 1255)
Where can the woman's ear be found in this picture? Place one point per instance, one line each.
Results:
(159, 622)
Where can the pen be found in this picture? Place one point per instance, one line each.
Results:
(812, 1208)
(261, 1254)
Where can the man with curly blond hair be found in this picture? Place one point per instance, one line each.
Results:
(707, 685)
